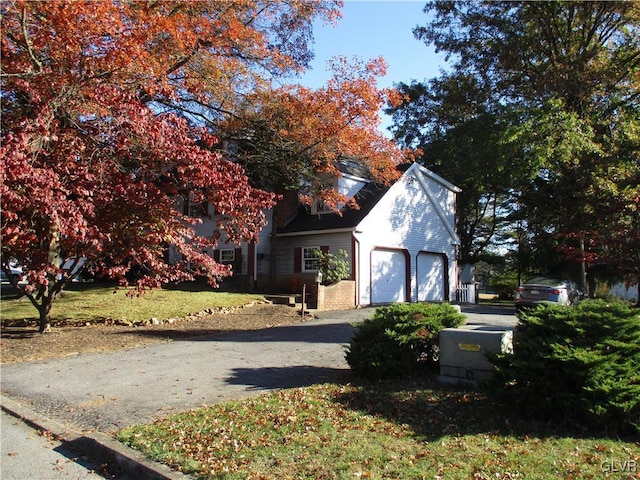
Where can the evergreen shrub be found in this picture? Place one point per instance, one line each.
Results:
(575, 364)
(333, 267)
(399, 339)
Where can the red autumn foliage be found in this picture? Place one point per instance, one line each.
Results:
(612, 239)
(98, 105)
(89, 169)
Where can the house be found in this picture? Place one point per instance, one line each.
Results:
(401, 242)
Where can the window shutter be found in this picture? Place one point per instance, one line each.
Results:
(251, 259)
(216, 255)
(297, 259)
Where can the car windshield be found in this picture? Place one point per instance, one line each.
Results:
(550, 282)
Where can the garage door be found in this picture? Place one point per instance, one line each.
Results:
(388, 276)
(431, 277)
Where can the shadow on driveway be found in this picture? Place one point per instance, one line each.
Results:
(269, 378)
(307, 333)
(480, 309)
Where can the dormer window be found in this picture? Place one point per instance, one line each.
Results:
(318, 207)
(346, 184)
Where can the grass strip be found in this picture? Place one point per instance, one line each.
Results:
(91, 303)
(407, 430)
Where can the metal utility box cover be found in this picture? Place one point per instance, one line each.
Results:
(462, 351)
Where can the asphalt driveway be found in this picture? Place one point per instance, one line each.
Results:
(108, 391)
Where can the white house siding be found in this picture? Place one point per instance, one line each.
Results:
(208, 228)
(263, 248)
(446, 198)
(623, 291)
(411, 222)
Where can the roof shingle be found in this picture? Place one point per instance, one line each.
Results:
(366, 198)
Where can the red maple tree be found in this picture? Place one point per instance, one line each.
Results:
(108, 112)
(90, 168)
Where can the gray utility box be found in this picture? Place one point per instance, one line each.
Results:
(462, 351)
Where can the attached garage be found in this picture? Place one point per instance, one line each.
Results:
(401, 242)
(431, 274)
(389, 276)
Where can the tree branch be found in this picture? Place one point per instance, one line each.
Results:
(27, 41)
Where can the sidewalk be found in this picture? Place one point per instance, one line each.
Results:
(64, 453)
(27, 454)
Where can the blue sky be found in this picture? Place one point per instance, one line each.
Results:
(369, 29)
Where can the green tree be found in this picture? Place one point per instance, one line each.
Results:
(334, 267)
(563, 79)
(457, 127)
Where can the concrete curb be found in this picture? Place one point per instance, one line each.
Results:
(96, 445)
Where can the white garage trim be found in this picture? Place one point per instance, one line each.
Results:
(449, 226)
(432, 276)
(390, 275)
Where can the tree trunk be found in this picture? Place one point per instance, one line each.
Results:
(45, 315)
(584, 286)
(52, 288)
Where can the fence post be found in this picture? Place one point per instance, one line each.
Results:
(304, 297)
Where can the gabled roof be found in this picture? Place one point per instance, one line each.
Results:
(367, 198)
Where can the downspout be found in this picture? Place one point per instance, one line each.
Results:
(355, 256)
(456, 251)
(255, 265)
(456, 279)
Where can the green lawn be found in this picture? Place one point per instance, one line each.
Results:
(406, 430)
(90, 303)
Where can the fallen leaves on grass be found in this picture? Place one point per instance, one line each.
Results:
(381, 430)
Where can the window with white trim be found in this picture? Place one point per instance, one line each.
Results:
(195, 209)
(310, 259)
(228, 255)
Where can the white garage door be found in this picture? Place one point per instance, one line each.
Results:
(388, 276)
(431, 271)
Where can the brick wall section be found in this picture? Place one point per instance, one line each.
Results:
(286, 209)
(339, 296)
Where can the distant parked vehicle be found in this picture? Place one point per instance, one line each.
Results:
(4, 278)
(540, 290)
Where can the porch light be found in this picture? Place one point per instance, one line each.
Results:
(319, 277)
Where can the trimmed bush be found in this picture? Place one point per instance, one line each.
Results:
(575, 364)
(333, 267)
(399, 339)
